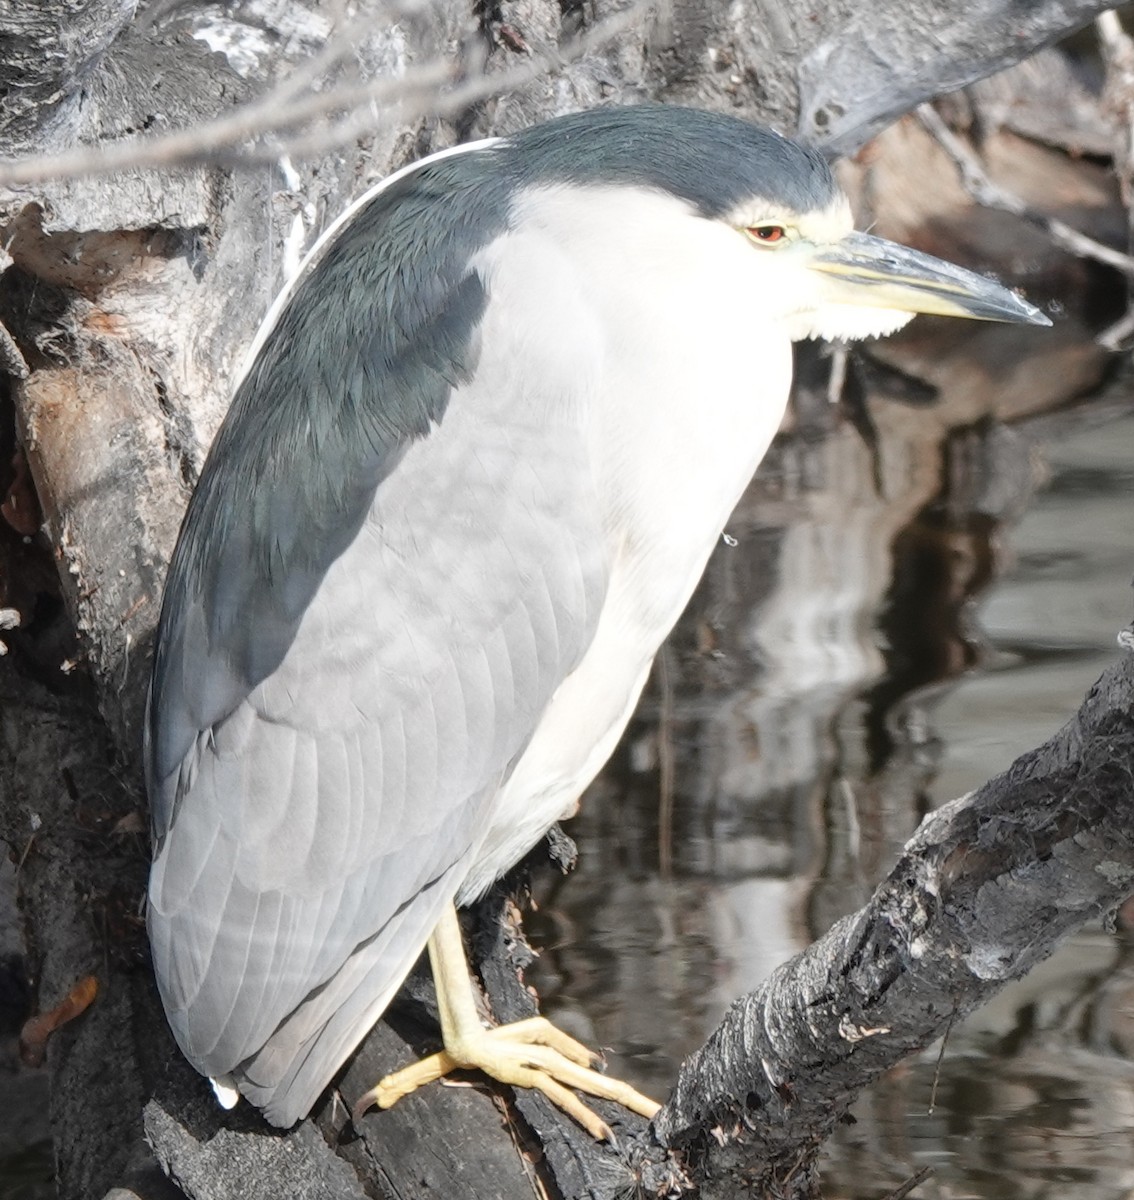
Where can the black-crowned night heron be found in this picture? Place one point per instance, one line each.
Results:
(473, 471)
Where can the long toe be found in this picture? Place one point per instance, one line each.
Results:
(531, 1054)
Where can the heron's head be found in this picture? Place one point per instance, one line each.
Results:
(835, 282)
(767, 210)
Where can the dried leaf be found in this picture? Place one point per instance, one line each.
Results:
(37, 1029)
(131, 823)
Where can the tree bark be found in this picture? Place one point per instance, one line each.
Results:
(129, 302)
(987, 887)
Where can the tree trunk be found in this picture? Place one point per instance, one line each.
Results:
(128, 301)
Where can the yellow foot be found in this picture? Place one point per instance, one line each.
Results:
(531, 1054)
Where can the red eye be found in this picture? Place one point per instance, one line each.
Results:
(767, 233)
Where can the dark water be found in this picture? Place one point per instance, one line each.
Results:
(879, 640)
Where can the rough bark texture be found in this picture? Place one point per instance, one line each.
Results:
(131, 300)
(986, 888)
(837, 73)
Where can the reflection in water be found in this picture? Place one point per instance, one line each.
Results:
(846, 666)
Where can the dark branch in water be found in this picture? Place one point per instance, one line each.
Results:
(989, 886)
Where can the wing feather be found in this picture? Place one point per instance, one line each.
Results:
(318, 826)
(392, 560)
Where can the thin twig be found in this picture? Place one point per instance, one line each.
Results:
(976, 182)
(1115, 336)
(24, 856)
(1118, 103)
(342, 41)
(1118, 94)
(940, 1060)
(207, 142)
(837, 380)
(418, 92)
(904, 1189)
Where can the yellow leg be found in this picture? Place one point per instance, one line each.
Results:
(531, 1053)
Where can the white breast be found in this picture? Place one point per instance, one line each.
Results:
(685, 385)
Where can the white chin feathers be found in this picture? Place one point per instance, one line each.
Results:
(847, 322)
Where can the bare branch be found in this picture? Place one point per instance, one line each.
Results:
(415, 94)
(984, 191)
(1115, 336)
(1118, 54)
(985, 889)
(1118, 104)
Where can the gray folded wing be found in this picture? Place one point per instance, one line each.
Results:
(364, 620)
(339, 803)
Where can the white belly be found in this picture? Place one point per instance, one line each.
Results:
(687, 380)
(661, 536)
